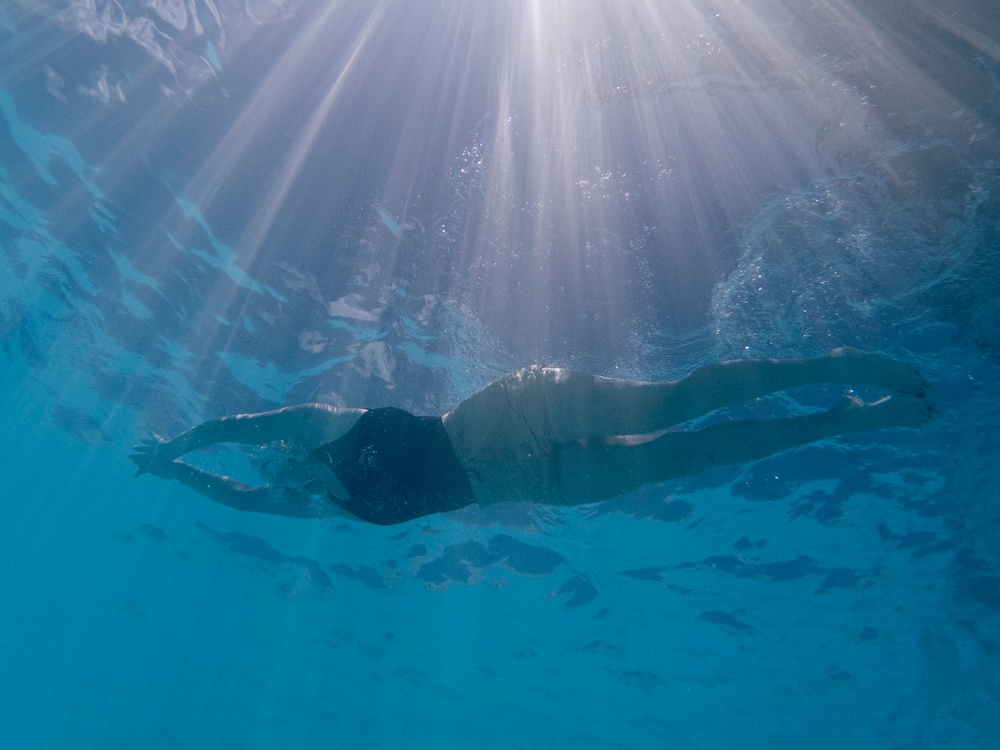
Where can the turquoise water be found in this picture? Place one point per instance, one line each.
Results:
(210, 208)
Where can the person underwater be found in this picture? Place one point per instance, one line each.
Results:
(539, 434)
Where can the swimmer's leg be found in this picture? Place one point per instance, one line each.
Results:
(581, 406)
(591, 471)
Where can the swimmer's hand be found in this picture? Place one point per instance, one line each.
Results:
(152, 456)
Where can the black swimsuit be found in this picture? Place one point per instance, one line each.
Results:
(397, 467)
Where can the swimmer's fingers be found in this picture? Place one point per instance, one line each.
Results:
(142, 468)
(143, 463)
(143, 456)
(162, 469)
(149, 455)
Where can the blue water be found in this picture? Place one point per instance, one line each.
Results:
(219, 207)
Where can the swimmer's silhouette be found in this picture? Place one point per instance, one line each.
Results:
(539, 434)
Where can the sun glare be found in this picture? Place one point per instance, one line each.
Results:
(576, 144)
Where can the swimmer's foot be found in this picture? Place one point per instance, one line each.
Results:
(857, 367)
(854, 415)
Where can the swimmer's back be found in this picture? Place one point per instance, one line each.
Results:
(397, 467)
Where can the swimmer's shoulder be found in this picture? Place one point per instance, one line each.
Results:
(312, 425)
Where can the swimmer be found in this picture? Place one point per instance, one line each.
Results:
(540, 434)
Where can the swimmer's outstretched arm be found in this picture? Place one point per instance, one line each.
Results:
(308, 426)
(234, 494)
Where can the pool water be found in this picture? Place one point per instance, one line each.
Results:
(210, 208)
